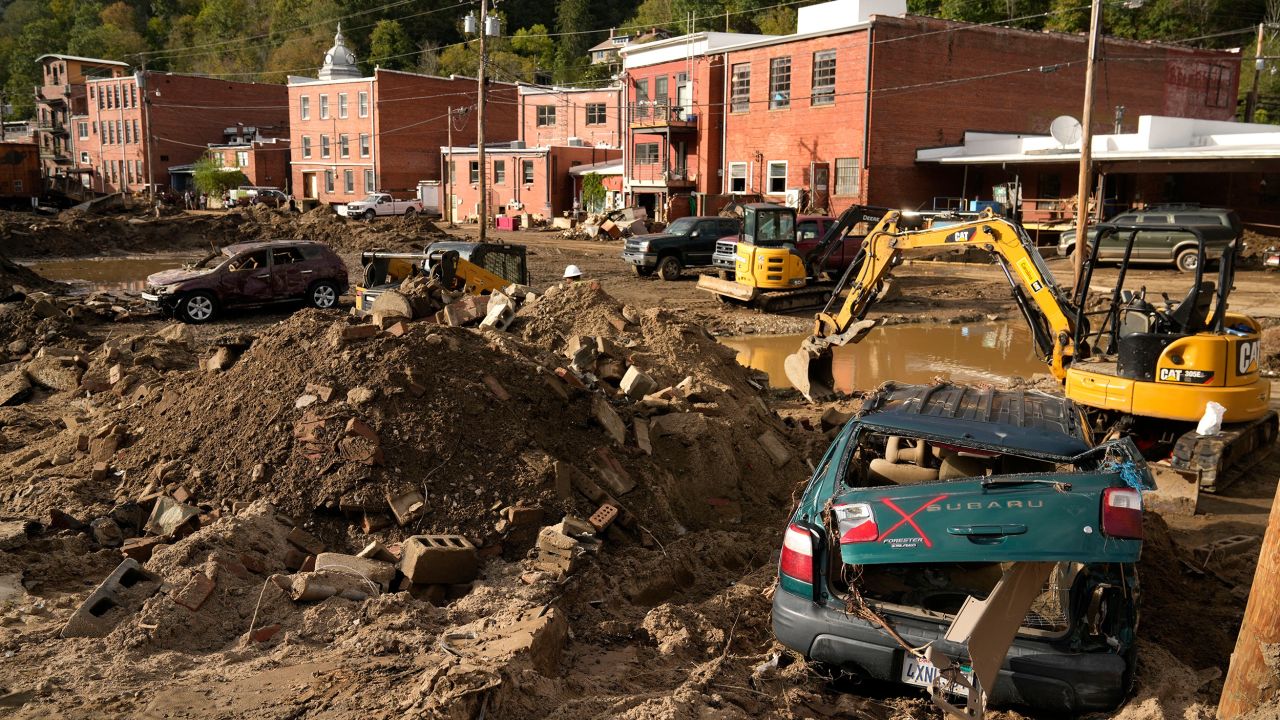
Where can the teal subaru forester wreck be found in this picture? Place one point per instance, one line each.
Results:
(974, 542)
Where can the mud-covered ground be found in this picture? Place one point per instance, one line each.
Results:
(667, 618)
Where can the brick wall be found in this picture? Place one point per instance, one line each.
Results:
(407, 124)
(266, 162)
(188, 113)
(925, 94)
(572, 118)
(813, 130)
(702, 144)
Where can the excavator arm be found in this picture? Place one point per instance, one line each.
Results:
(834, 235)
(1043, 304)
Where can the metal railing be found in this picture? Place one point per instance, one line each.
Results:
(660, 113)
(656, 173)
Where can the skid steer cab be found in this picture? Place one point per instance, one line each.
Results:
(477, 268)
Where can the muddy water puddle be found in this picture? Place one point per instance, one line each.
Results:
(973, 353)
(124, 274)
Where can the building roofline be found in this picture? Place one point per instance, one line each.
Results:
(780, 39)
(99, 61)
(531, 89)
(709, 36)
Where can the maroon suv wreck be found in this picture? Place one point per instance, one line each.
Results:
(249, 274)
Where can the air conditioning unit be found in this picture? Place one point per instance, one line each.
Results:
(576, 142)
(516, 144)
(793, 197)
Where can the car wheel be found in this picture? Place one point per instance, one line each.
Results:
(369, 214)
(1188, 260)
(198, 307)
(410, 212)
(641, 271)
(669, 267)
(323, 295)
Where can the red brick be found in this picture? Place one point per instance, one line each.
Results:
(195, 593)
(356, 426)
(263, 634)
(359, 332)
(496, 388)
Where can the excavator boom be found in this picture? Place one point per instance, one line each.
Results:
(1045, 306)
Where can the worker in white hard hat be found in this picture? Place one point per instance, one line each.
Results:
(572, 274)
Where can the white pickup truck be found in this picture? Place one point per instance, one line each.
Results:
(382, 204)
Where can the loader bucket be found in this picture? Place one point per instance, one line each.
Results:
(810, 372)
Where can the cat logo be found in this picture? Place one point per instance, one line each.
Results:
(960, 236)
(1247, 361)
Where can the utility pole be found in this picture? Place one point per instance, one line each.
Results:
(1251, 105)
(484, 59)
(1251, 679)
(4, 98)
(447, 203)
(1084, 187)
(142, 79)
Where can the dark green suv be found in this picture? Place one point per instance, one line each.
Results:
(920, 506)
(1162, 241)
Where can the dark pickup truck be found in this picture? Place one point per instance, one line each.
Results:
(809, 230)
(687, 242)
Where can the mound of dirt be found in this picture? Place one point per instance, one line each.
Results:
(16, 281)
(1270, 362)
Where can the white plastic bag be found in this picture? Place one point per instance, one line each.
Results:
(1211, 423)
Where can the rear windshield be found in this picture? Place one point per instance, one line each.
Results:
(1199, 219)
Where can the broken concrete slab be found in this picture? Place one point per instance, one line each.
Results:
(119, 595)
(377, 551)
(314, 586)
(378, 572)
(54, 372)
(537, 634)
(222, 359)
(322, 392)
(305, 541)
(687, 427)
(168, 516)
(438, 560)
(15, 388)
(608, 419)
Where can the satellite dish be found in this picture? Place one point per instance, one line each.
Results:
(1065, 129)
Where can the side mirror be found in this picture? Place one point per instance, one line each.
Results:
(694, 234)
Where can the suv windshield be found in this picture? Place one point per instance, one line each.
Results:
(683, 226)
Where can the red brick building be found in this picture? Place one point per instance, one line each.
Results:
(351, 135)
(62, 101)
(187, 113)
(264, 161)
(559, 116)
(520, 180)
(840, 108)
(20, 176)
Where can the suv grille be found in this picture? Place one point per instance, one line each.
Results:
(726, 247)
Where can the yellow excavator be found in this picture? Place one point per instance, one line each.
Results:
(1134, 367)
(476, 268)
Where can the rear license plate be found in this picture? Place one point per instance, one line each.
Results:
(922, 672)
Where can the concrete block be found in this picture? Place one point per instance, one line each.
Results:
(636, 384)
(376, 571)
(641, 428)
(407, 507)
(438, 560)
(119, 595)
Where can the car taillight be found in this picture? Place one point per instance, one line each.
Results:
(1122, 513)
(796, 563)
(856, 522)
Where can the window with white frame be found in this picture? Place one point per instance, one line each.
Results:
(499, 172)
(473, 169)
(777, 177)
(364, 145)
(84, 158)
(737, 177)
(324, 107)
(306, 146)
(344, 145)
(740, 91)
(304, 107)
(83, 130)
(349, 182)
(848, 179)
(363, 101)
(324, 146)
(824, 78)
(342, 105)
(526, 171)
(242, 158)
(368, 181)
(780, 83)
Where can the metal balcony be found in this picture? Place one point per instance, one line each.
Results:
(661, 117)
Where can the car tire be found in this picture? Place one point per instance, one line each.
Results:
(369, 215)
(641, 271)
(1187, 260)
(323, 294)
(410, 212)
(197, 308)
(669, 268)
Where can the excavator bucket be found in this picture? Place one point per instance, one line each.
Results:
(810, 368)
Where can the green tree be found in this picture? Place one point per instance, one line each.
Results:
(592, 193)
(210, 177)
(390, 47)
